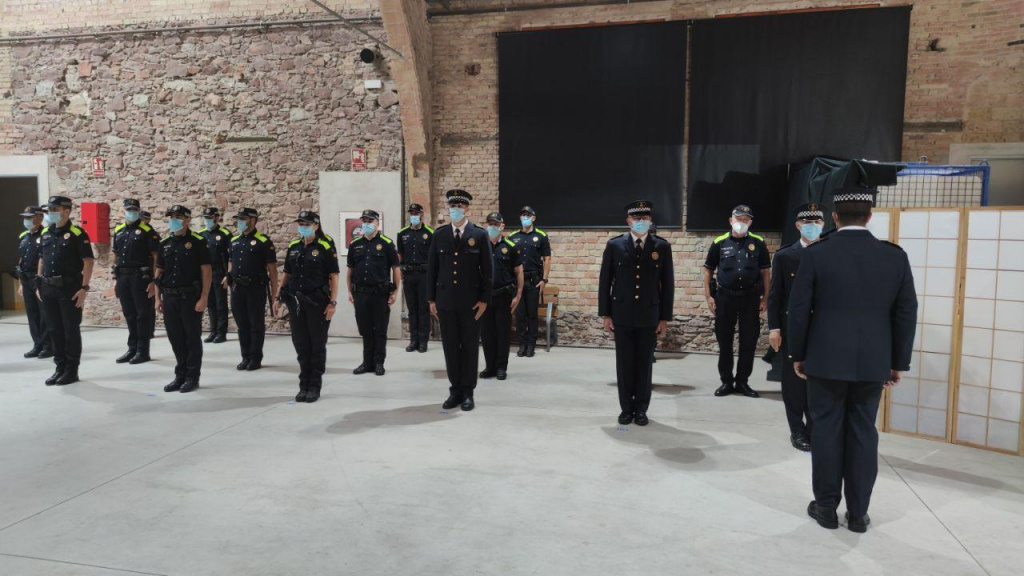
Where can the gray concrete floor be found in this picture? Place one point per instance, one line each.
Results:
(113, 476)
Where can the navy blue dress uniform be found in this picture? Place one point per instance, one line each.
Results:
(496, 323)
(27, 268)
(636, 292)
(370, 262)
(63, 250)
(459, 276)
(306, 290)
(218, 238)
(251, 252)
(180, 262)
(852, 318)
(534, 247)
(413, 247)
(785, 265)
(738, 261)
(135, 247)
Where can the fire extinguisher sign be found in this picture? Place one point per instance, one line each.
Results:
(99, 169)
(358, 159)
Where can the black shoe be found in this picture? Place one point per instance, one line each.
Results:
(301, 396)
(468, 404)
(254, 365)
(209, 339)
(423, 347)
(501, 374)
(530, 350)
(826, 517)
(626, 418)
(488, 373)
(243, 365)
(33, 353)
(126, 357)
(140, 358)
(746, 391)
(379, 370)
(451, 402)
(641, 419)
(54, 377)
(724, 390)
(800, 441)
(70, 376)
(412, 347)
(189, 386)
(175, 385)
(858, 525)
(312, 396)
(522, 351)
(220, 339)
(361, 369)
(45, 353)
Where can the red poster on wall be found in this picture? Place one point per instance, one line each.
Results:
(358, 159)
(98, 167)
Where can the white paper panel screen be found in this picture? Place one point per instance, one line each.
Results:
(991, 379)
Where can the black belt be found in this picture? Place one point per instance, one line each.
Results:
(119, 270)
(412, 267)
(508, 288)
(730, 292)
(249, 280)
(179, 290)
(58, 281)
(382, 289)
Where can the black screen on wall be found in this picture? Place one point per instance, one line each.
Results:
(772, 90)
(590, 119)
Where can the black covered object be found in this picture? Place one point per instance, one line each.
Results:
(769, 91)
(591, 118)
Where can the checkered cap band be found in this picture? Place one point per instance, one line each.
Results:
(854, 197)
(810, 214)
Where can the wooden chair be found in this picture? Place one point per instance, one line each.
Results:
(549, 300)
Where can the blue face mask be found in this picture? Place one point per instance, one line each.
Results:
(243, 225)
(210, 224)
(131, 215)
(305, 231)
(176, 224)
(810, 231)
(527, 221)
(640, 227)
(368, 228)
(27, 222)
(493, 231)
(414, 220)
(52, 218)
(457, 214)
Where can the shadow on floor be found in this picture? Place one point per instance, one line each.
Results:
(357, 422)
(671, 389)
(771, 395)
(949, 474)
(196, 404)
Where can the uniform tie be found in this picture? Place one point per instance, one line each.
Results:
(639, 248)
(458, 237)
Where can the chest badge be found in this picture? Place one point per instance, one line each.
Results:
(751, 247)
(425, 236)
(504, 250)
(380, 247)
(188, 245)
(138, 232)
(472, 242)
(218, 238)
(39, 240)
(535, 239)
(253, 243)
(316, 253)
(67, 235)
(655, 256)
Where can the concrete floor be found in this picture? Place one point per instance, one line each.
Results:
(112, 476)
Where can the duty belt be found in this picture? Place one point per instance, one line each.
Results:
(506, 289)
(412, 267)
(744, 292)
(180, 290)
(248, 280)
(58, 281)
(381, 289)
(119, 270)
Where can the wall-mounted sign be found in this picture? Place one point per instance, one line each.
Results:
(99, 167)
(358, 159)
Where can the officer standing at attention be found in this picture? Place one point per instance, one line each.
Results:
(27, 268)
(743, 265)
(309, 288)
(372, 263)
(852, 318)
(459, 284)
(183, 278)
(535, 253)
(218, 238)
(496, 323)
(146, 219)
(810, 219)
(635, 298)
(135, 247)
(413, 245)
(65, 269)
(252, 265)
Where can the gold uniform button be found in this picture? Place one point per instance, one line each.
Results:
(637, 297)
(637, 286)
(456, 253)
(455, 281)
(456, 272)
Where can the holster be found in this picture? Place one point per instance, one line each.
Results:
(379, 289)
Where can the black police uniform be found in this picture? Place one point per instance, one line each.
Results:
(738, 263)
(852, 318)
(135, 243)
(146, 218)
(63, 251)
(251, 251)
(180, 259)
(371, 262)
(533, 248)
(413, 246)
(218, 239)
(496, 323)
(28, 267)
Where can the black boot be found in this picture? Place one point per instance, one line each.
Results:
(744, 389)
(220, 339)
(55, 376)
(175, 385)
(522, 350)
(501, 374)
(45, 353)
(301, 396)
(33, 353)
(362, 369)
(530, 350)
(141, 357)
(209, 339)
(126, 357)
(488, 373)
(379, 369)
(70, 376)
(312, 395)
(452, 401)
(242, 365)
(189, 385)
(254, 365)
(724, 390)
(412, 347)
(423, 347)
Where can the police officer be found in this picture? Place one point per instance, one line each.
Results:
(742, 264)
(635, 298)
(183, 277)
(459, 284)
(413, 245)
(65, 269)
(535, 254)
(27, 268)
(309, 288)
(135, 247)
(852, 318)
(218, 238)
(146, 219)
(810, 220)
(252, 266)
(373, 278)
(496, 323)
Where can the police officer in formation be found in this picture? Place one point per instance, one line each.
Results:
(135, 247)
(413, 246)
(147, 219)
(459, 284)
(26, 270)
(65, 269)
(635, 298)
(810, 219)
(309, 288)
(852, 318)
(373, 279)
(252, 274)
(218, 239)
(742, 263)
(496, 323)
(535, 253)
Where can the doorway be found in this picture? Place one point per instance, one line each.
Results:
(16, 192)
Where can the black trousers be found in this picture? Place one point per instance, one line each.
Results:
(634, 358)
(460, 338)
(137, 307)
(728, 311)
(526, 314)
(495, 331)
(372, 316)
(794, 396)
(844, 455)
(309, 336)
(218, 305)
(64, 321)
(249, 307)
(36, 320)
(185, 332)
(415, 288)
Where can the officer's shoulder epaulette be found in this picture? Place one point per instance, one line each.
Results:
(404, 229)
(201, 230)
(510, 243)
(224, 231)
(324, 243)
(752, 235)
(722, 237)
(22, 235)
(259, 236)
(236, 237)
(294, 242)
(145, 227)
(76, 230)
(356, 239)
(119, 227)
(429, 229)
(894, 245)
(197, 236)
(514, 233)
(385, 238)
(541, 232)
(165, 238)
(329, 239)
(44, 230)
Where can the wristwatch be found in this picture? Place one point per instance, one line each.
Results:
(86, 287)
(334, 302)
(544, 280)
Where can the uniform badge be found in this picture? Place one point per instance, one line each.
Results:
(535, 239)
(504, 250)
(380, 247)
(655, 256)
(138, 232)
(425, 236)
(39, 240)
(218, 238)
(67, 235)
(253, 243)
(472, 242)
(188, 245)
(316, 252)
(751, 247)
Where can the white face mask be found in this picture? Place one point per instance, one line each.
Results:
(740, 227)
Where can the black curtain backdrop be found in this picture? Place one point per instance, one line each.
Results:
(590, 119)
(773, 90)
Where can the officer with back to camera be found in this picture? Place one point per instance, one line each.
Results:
(373, 279)
(413, 246)
(135, 247)
(535, 255)
(252, 274)
(218, 238)
(28, 266)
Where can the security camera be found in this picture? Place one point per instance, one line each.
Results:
(369, 55)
